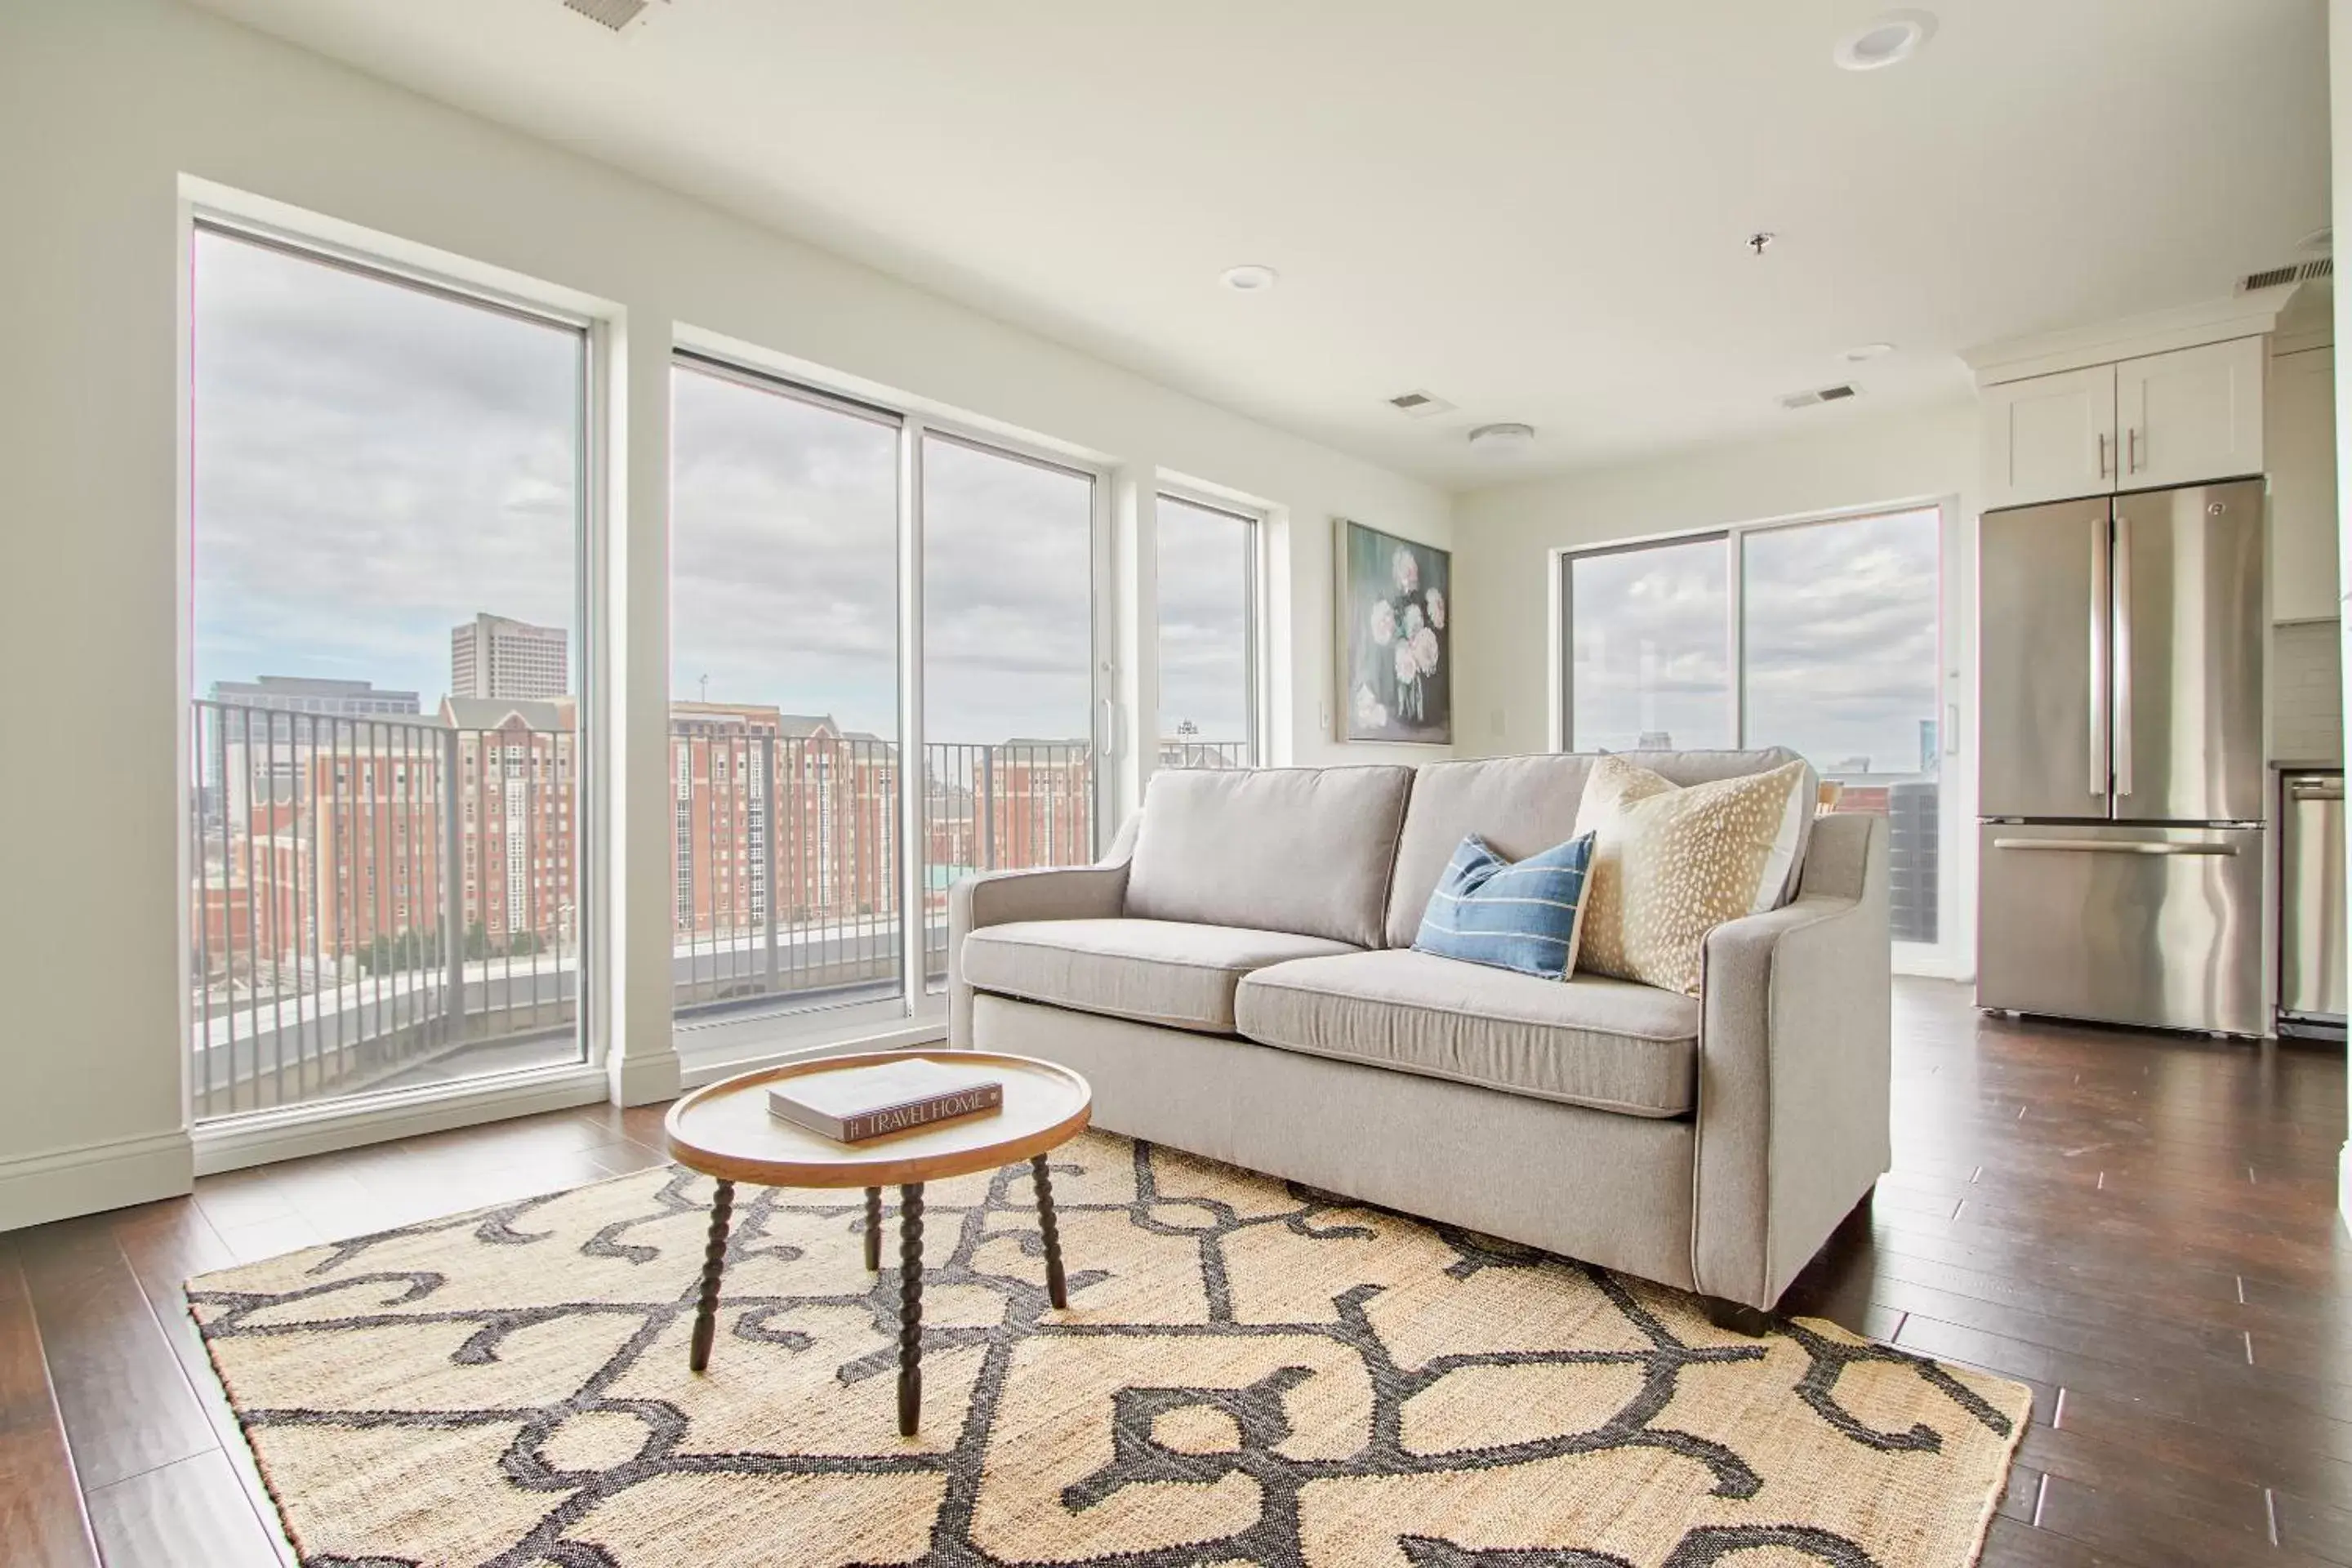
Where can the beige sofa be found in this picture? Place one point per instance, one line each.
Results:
(1236, 980)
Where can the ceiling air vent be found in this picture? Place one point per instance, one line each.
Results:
(2300, 272)
(1837, 393)
(1420, 405)
(614, 13)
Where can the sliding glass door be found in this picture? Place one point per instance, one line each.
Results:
(802, 834)
(1824, 636)
(1009, 776)
(784, 696)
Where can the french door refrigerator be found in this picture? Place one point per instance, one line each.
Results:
(2120, 778)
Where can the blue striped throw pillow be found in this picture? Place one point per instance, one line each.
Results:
(1522, 915)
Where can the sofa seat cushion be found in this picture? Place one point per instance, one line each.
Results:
(1609, 1044)
(1157, 971)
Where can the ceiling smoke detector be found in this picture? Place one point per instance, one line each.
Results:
(1502, 440)
(1837, 393)
(1861, 352)
(1888, 38)
(1249, 277)
(1419, 404)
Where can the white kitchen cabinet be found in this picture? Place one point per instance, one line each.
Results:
(2191, 415)
(2139, 424)
(2301, 414)
(2048, 437)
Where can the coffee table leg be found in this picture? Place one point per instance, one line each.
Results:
(1057, 1288)
(873, 1229)
(910, 1308)
(714, 1260)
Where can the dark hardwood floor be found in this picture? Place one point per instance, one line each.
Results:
(2142, 1227)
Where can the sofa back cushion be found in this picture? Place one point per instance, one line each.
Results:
(1523, 805)
(1305, 850)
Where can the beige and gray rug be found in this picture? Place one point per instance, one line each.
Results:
(1249, 1373)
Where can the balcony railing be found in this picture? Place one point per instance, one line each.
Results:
(332, 854)
(372, 896)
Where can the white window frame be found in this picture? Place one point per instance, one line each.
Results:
(233, 1141)
(1952, 954)
(1259, 696)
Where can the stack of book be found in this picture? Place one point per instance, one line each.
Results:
(861, 1103)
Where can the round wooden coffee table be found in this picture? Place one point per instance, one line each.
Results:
(724, 1130)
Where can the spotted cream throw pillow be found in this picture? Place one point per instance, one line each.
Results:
(1669, 864)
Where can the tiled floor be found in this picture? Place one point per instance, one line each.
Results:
(2142, 1227)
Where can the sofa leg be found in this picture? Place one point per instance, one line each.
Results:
(1737, 1317)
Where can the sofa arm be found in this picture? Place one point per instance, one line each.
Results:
(1001, 898)
(1794, 1070)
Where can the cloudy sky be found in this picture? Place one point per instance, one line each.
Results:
(1842, 622)
(1204, 563)
(374, 465)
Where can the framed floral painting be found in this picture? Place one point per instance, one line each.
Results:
(1396, 645)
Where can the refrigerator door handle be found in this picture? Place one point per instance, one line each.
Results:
(2112, 847)
(2123, 656)
(2099, 608)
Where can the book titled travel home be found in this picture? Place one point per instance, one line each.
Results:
(862, 1103)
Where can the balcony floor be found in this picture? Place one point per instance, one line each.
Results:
(2144, 1226)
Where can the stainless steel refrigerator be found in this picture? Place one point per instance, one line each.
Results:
(2120, 778)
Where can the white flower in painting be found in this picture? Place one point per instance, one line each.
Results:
(1436, 597)
(1413, 621)
(1407, 570)
(1384, 626)
(1370, 712)
(1424, 651)
(1408, 664)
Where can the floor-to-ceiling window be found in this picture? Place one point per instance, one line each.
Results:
(1822, 637)
(1205, 574)
(388, 491)
(1650, 647)
(784, 684)
(1008, 668)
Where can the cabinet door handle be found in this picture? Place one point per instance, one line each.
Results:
(2102, 453)
(2133, 437)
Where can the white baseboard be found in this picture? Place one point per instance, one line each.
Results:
(62, 1182)
(322, 1129)
(641, 1080)
(2344, 1182)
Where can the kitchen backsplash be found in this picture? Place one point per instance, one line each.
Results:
(2307, 692)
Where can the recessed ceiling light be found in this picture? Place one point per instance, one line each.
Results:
(1861, 351)
(1888, 38)
(1250, 278)
(1502, 440)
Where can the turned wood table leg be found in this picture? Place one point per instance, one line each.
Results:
(873, 1229)
(714, 1262)
(910, 1308)
(1057, 1288)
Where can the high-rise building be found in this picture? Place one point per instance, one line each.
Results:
(509, 660)
(256, 739)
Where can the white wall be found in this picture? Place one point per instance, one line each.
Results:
(105, 103)
(1504, 537)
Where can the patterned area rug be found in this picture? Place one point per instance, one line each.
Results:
(1249, 1373)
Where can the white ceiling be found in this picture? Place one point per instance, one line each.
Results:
(1534, 208)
